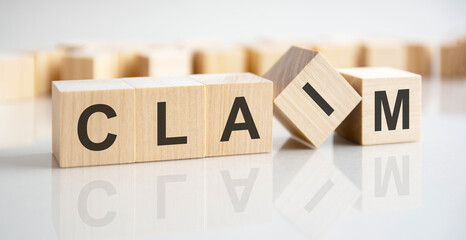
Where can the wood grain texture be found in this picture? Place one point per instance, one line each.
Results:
(70, 99)
(165, 61)
(301, 114)
(47, 69)
(16, 77)
(359, 126)
(222, 90)
(220, 59)
(90, 65)
(185, 117)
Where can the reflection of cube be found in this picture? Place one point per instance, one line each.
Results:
(92, 122)
(390, 110)
(93, 202)
(391, 177)
(170, 118)
(238, 191)
(16, 77)
(317, 197)
(169, 197)
(312, 98)
(239, 113)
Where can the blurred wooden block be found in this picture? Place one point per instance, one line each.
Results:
(219, 59)
(386, 94)
(47, 69)
(16, 76)
(412, 57)
(418, 59)
(92, 122)
(90, 65)
(238, 113)
(165, 61)
(453, 60)
(261, 57)
(128, 62)
(170, 118)
(311, 97)
(341, 54)
(384, 54)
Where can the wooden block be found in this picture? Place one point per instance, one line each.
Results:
(16, 76)
(385, 53)
(170, 118)
(341, 54)
(386, 93)
(453, 60)
(311, 97)
(261, 57)
(238, 113)
(93, 122)
(220, 59)
(418, 59)
(17, 120)
(90, 65)
(165, 61)
(128, 62)
(47, 69)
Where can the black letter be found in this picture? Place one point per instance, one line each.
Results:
(318, 99)
(240, 104)
(82, 127)
(381, 99)
(162, 128)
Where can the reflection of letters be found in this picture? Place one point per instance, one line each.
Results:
(239, 204)
(382, 181)
(319, 195)
(83, 207)
(161, 191)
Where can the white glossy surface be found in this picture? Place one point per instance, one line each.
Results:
(340, 191)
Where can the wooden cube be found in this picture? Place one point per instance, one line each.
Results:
(238, 113)
(47, 69)
(453, 60)
(128, 62)
(341, 54)
(170, 118)
(418, 59)
(220, 59)
(390, 110)
(261, 57)
(385, 53)
(16, 76)
(165, 61)
(311, 97)
(90, 65)
(92, 122)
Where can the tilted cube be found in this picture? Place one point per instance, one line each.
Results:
(311, 97)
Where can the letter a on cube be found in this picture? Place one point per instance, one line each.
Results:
(311, 97)
(238, 113)
(92, 122)
(390, 110)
